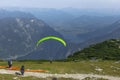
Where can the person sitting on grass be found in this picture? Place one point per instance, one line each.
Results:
(22, 70)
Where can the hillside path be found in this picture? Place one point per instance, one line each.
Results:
(74, 76)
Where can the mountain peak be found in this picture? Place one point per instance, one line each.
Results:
(19, 35)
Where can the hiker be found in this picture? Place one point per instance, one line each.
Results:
(51, 61)
(22, 70)
(9, 63)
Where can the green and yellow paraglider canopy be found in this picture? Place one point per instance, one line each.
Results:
(51, 37)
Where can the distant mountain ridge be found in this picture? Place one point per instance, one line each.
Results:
(110, 32)
(74, 24)
(5, 14)
(84, 27)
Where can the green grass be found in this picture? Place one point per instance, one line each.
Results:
(109, 67)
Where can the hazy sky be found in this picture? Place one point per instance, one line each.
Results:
(114, 4)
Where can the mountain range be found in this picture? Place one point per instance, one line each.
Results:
(110, 32)
(19, 37)
(27, 26)
(74, 24)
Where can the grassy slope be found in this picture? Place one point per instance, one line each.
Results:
(107, 50)
(109, 67)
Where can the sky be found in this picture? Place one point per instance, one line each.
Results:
(92, 4)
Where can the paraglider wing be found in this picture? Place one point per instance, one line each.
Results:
(51, 37)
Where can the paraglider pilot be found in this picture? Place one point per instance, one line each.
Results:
(22, 70)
